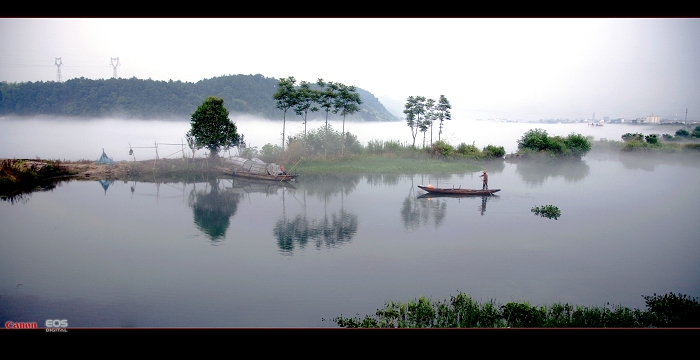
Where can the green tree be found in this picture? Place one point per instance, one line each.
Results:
(286, 98)
(534, 139)
(682, 133)
(443, 112)
(327, 95)
(347, 101)
(430, 116)
(212, 129)
(306, 98)
(414, 109)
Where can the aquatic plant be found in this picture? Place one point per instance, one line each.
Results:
(461, 311)
(548, 211)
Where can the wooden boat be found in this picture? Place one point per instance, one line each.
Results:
(245, 174)
(434, 190)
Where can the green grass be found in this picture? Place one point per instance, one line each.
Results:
(372, 164)
(461, 311)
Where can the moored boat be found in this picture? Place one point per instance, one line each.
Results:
(256, 169)
(433, 190)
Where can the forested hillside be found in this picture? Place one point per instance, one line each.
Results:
(149, 99)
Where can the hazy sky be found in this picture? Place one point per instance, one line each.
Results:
(487, 68)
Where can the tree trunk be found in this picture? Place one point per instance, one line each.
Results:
(284, 122)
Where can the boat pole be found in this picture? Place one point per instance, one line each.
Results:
(290, 170)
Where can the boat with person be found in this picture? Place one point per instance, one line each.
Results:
(465, 192)
(255, 169)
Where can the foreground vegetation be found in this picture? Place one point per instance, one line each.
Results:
(461, 311)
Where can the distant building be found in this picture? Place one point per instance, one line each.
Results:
(653, 119)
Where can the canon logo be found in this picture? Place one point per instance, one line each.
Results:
(20, 325)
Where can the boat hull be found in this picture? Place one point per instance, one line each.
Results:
(247, 175)
(461, 192)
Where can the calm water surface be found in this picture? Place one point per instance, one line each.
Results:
(225, 253)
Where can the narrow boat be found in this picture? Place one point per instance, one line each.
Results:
(249, 175)
(255, 169)
(433, 190)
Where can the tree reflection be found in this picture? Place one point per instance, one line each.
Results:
(329, 232)
(536, 171)
(213, 208)
(327, 186)
(417, 211)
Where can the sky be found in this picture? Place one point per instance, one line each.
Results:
(526, 69)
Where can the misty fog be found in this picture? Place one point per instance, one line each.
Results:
(76, 139)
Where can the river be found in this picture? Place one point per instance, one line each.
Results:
(229, 253)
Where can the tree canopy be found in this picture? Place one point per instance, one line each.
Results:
(212, 129)
(286, 97)
(443, 112)
(347, 101)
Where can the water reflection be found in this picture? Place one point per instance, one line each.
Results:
(383, 179)
(213, 208)
(536, 171)
(327, 186)
(21, 194)
(331, 231)
(105, 184)
(417, 211)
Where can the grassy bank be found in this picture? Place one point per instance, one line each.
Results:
(461, 311)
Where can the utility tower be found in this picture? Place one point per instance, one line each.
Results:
(114, 62)
(58, 64)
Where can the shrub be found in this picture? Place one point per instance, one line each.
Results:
(633, 145)
(673, 310)
(535, 139)
(494, 151)
(682, 133)
(443, 148)
(651, 139)
(696, 132)
(464, 149)
(632, 137)
(578, 144)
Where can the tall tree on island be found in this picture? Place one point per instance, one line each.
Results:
(212, 129)
(347, 101)
(430, 116)
(414, 109)
(443, 112)
(286, 98)
(327, 96)
(306, 97)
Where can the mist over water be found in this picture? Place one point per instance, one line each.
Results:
(72, 139)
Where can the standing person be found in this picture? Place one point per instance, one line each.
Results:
(485, 180)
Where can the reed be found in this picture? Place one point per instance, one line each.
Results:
(461, 311)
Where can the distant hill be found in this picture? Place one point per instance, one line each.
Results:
(150, 99)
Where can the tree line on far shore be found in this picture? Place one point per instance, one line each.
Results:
(154, 99)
